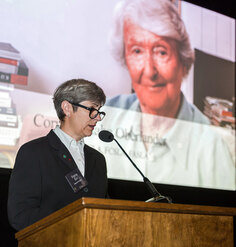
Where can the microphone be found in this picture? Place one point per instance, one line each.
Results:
(107, 136)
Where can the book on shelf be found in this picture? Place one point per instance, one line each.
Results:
(13, 78)
(218, 104)
(8, 51)
(9, 136)
(224, 119)
(214, 101)
(5, 77)
(222, 123)
(4, 94)
(9, 61)
(9, 124)
(222, 113)
(12, 68)
(5, 102)
(8, 110)
(22, 68)
(8, 68)
(10, 132)
(21, 77)
(8, 118)
(6, 86)
(219, 111)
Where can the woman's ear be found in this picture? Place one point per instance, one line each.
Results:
(66, 107)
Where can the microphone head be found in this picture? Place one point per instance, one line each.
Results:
(106, 136)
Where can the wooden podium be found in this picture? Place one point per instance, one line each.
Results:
(92, 222)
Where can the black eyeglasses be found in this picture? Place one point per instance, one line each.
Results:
(93, 113)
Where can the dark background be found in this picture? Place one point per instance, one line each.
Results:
(213, 76)
(225, 7)
(128, 190)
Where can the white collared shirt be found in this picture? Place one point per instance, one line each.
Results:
(76, 148)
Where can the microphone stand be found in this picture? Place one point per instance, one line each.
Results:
(156, 195)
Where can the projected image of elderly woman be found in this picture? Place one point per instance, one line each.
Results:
(149, 38)
(155, 47)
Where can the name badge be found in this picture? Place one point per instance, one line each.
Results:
(76, 180)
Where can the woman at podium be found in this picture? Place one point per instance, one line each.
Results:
(55, 170)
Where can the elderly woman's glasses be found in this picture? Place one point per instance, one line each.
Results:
(93, 113)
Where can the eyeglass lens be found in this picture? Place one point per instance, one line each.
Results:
(95, 112)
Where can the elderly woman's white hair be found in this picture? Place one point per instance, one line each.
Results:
(157, 16)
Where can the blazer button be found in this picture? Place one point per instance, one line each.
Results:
(85, 189)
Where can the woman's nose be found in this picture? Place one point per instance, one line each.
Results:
(150, 68)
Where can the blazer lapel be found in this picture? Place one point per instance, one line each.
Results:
(66, 157)
(61, 150)
(89, 161)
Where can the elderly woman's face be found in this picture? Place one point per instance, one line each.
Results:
(155, 69)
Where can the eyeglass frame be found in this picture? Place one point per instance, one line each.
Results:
(90, 109)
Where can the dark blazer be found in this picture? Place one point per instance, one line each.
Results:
(38, 185)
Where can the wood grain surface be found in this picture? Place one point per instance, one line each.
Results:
(91, 222)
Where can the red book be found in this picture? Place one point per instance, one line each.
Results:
(8, 61)
(19, 79)
(14, 78)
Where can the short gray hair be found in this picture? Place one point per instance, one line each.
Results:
(160, 17)
(76, 91)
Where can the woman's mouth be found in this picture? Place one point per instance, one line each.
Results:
(92, 126)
